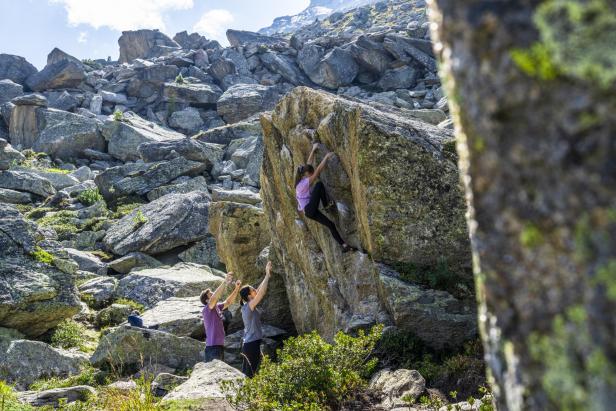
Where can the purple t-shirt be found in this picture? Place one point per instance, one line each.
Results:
(214, 329)
(302, 193)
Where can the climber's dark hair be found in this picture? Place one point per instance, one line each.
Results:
(204, 298)
(301, 170)
(244, 293)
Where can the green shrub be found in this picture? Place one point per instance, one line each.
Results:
(179, 79)
(132, 304)
(118, 115)
(88, 376)
(89, 196)
(68, 334)
(42, 256)
(310, 374)
(9, 401)
(438, 276)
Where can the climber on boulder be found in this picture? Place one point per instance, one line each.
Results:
(253, 330)
(308, 200)
(213, 319)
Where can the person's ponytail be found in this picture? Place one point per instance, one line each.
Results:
(299, 173)
(244, 293)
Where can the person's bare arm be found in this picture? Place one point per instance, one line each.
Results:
(262, 287)
(216, 296)
(231, 298)
(315, 146)
(320, 168)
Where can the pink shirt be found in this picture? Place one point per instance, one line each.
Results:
(302, 193)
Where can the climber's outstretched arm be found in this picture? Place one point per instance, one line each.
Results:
(320, 168)
(315, 146)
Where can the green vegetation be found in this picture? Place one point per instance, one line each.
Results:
(68, 334)
(63, 222)
(531, 236)
(179, 79)
(535, 62)
(606, 276)
(88, 376)
(8, 399)
(132, 304)
(89, 196)
(446, 370)
(139, 219)
(438, 277)
(118, 115)
(56, 170)
(42, 256)
(310, 374)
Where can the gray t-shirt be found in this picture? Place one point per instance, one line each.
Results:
(252, 323)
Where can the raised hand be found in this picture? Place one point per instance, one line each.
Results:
(315, 146)
(238, 284)
(268, 268)
(229, 277)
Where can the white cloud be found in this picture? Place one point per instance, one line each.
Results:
(214, 24)
(83, 37)
(121, 14)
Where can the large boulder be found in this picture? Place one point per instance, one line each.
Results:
(226, 134)
(34, 297)
(15, 68)
(125, 264)
(178, 316)
(195, 41)
(189, 148)
(62, 74)
(188, 120)
(204, 385)
(162, 225)
(144, 44)
(241, 235)
(147, 82)
(56, 55)
(24, 180)
(124, 137)
(154, 176)
(335, 69)
(100, 290)
(398, 196)
(194, 94)
(241, 101)
(58, 133)
(202, 252)
(9, 90)
(17, 234)
(25, 361)
(130, 348)
(55, 396)
(149, 286)
(285, 66)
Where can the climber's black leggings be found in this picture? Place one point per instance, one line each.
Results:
(312, 210)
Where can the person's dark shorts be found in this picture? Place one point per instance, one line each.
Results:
(214, 352)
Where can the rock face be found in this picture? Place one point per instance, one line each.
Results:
(129, 347)
(144, 44)
(398, 197)
(15, 68)
(241, 101)
(59, 133)
(125, 136)
(34, 298)
(178, 316)
(27, 361)
(204, 383)
(241, 235)
(542, 211)
(149, 286)
(165, 223)
(62, 74)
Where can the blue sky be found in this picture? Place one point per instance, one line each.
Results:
(90, 28)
